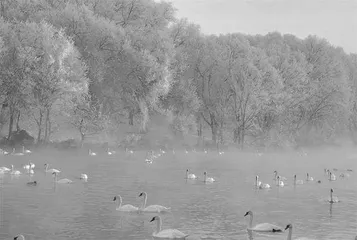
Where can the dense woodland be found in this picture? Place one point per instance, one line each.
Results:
(102, 63)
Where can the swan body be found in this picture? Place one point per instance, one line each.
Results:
(298, 182)
(262, 227)
(34, 183)
(110, 152)
(148, 160)
(280, 183)
(30, 171)
(309, 178)
(84, 176)
(17, 154)
(14, 172)
(190, 175)
(207, 179)
(19, 237)
(64, 180)
(333, 199)
(126, 207)
(264, 186)
(51, 170)
(90, 153)
(166, 233)
(152, 208)
(261, 185)
(5, 169)
(342, 175)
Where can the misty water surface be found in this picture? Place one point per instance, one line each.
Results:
(205, 211)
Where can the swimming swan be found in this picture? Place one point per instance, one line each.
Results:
(261, 185)
(207, 179)
(29, 166)
(5, 169)
(51, 170)
(19, 237)
(64, 180)
(190, 175)
(152, 208)
(14, 172)
(17, 154)
(84, 176)
(276, 176)
(290, 227)
(308, 178)
(332, 177)
(262, 227)
(333, 199)
(126, 207)
(90, 153)
(166, 233)
(296, 182)
(279, 182)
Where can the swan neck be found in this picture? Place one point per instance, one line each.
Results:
(205, 177)
(120, 201)
(144, 202)
(290, 233)
(158, 225)
(331, 196)
(251, 220)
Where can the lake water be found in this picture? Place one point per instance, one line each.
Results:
(85, 210)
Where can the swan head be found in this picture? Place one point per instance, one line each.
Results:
(116, 197)
(142, 194)
(248, 213)
(289, 226)
(295, 176)
(186, 170)
(275, 172)
(257, 177)
(19, 237)
(54, 173)
(331, 190)
(204, 173)
(155, 218)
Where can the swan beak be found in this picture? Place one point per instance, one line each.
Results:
(115, 198)
(287, 226)
(246, 214)
(140, 194)
(153, 219)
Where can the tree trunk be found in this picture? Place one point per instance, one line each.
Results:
(47, 125)
(39, 125)
(242, 135)
(131, 117)
(80, 129)
(18, 121)
(11, 122)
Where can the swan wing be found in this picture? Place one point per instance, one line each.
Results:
(170, 234)
(64, 180)
(266, 227)
(156, 208)
(128, 208)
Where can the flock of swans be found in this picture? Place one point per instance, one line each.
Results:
(174, 233)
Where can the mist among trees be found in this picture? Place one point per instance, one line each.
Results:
(102, 63)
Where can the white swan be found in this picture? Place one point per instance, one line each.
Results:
(129, 151)
(257, 182)
(148, 160)
(14, 172)
(5, 169)
(332, 177)
(16, 154)
(64, 180)
(30, 171)
(333, 199)
(190, 175)
(290, 227)
(84, 176)
(90, 153)
(262, 227)
(309, 178)
(166, 233)
(152, 208)
(276, 176)
(52, 170)
(207, 179)
(110, 152)
(19, 237)
(25, 150)
(126, 207)
(29, 166)
(279, 182)
(296, 182)
(261, 185)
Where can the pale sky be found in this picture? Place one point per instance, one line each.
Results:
(335, 20)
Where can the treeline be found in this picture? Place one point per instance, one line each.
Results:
(99, 63)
